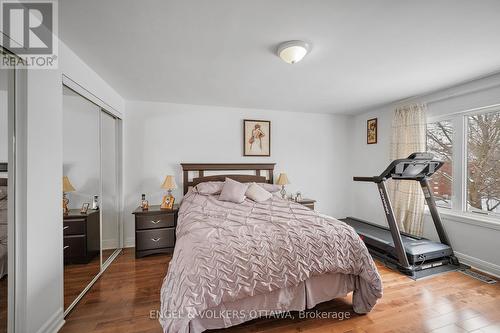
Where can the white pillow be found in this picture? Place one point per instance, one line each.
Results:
(257, 193)
(233, 191)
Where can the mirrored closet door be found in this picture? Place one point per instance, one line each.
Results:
(91, 183)
(81, 183)
(10, 92)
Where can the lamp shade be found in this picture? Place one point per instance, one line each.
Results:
(67, 187)
(283, 179)
(169, 183)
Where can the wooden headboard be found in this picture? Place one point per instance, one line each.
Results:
(202, 167)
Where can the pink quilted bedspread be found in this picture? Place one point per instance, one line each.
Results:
(225, 252)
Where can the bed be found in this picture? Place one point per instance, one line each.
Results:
(236, 262)
(3, 227)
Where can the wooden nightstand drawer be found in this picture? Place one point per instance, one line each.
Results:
(82, 236)
(74, 227)
(155, 230)
(155, 221)
(155, 239)
(74, 246)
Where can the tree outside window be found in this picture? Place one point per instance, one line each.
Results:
(440, 143)
(483, 162)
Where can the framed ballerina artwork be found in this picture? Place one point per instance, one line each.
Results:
(256, 137)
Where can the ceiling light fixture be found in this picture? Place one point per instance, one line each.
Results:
(293, 51)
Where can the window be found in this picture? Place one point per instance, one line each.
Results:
(440, 143)
(469, 145)
(483, 162)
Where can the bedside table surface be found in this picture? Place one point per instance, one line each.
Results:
(305, 201)
(155, 209)
(75, 213)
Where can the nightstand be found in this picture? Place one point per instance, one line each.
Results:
(82, 236)
(155, 230)
(309, 203)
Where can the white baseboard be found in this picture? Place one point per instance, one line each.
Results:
(54, 323)
(480, 265)
(129, 242)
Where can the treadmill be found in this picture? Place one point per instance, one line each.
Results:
(414, 256)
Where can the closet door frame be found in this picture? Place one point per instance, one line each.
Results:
(118, 176)
(104, 107)
(17, 194)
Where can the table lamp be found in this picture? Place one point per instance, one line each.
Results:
(283, 180)
(67, 187)
(168, 199)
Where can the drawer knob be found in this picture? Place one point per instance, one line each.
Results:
(67, 246)
(156, 239)
(155, 222)
(65, 227)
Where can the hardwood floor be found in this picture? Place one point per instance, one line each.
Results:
(126, 293)
(78, 276)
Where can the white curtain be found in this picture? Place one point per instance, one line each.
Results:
(408, 136)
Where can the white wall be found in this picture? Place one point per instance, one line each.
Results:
(44, 253)
(310, 148)
(478, 244)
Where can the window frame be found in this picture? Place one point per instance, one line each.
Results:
(459, 167)
(453, 152)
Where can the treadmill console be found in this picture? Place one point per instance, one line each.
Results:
(415, 167)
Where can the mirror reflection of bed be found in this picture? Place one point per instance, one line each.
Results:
(3, 253)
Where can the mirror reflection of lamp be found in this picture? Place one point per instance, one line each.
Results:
(67, 187)
(283, 180)
(168, 199)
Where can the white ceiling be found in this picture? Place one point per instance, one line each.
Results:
(221, 52)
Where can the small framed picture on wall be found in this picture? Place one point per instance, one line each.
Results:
(371, 131)
(256, 137)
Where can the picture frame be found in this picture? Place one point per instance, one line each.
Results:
(371, 131)
(256, 137)
(167, 202)
(85, 208)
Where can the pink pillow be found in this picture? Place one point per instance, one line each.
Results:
(256, 193)
(233, 191)
(208, 188)
(270, 187)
